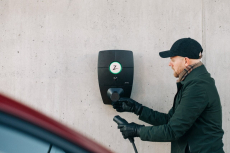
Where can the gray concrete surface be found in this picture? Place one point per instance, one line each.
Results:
(49, 52)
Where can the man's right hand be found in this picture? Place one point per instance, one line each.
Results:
(127, 105)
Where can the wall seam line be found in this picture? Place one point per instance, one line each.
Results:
(204, 33)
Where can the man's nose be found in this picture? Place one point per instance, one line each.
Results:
(170, 64)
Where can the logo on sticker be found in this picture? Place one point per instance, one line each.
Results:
(115, 67)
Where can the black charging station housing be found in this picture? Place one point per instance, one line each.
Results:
(115, 70)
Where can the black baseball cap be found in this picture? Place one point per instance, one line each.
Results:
(185, 47)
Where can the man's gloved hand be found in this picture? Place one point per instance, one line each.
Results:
(130, 130)
(127, 105)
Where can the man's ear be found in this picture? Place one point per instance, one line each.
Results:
(187, 61)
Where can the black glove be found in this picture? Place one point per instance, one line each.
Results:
(127, 105)
(130, 130)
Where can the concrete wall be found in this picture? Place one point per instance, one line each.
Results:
(49, 52)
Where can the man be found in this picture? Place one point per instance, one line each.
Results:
(194, 123)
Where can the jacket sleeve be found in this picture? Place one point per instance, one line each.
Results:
(193, 102)
(155, 118)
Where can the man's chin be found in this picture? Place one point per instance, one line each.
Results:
(176, 75)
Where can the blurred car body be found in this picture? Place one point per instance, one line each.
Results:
(24, 130)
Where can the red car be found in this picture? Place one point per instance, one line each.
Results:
(24, 130)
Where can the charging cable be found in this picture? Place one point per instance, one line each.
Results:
(120, 120)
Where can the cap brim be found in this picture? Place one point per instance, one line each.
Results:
(166, 54)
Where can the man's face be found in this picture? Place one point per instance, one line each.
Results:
(177, 63)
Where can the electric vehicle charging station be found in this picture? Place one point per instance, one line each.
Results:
(115, 74)
(115, 77)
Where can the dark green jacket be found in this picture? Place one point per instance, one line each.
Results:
(194, 124)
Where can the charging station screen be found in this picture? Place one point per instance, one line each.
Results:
(115, 67)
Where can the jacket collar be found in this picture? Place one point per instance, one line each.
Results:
(188, 70)
(201, 70)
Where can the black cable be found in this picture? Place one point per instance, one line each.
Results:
(120, 120)
(50, 148)
(134, 147)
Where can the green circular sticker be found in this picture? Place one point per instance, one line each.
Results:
(115, 67)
